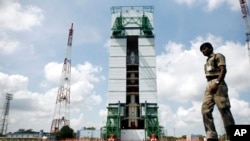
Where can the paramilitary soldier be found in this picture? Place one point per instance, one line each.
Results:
(216, 92)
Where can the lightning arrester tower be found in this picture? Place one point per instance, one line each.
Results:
(132, 91)
(5, 114)
(245, 12)
(62, 109)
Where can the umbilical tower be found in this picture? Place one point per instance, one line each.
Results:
(132, 100)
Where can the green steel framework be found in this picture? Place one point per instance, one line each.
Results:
(113, 121)
(151, 115)
(114, 117)
(151, 120)
(143, 22)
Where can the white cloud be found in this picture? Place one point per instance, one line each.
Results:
(97, 99)
(180, 73)
(16, 17)
(103, 113)
(190, 116)
(233, 5)
(166, 116)
(242, 115)
(184, 122)
(53, 72)
(188, 2)
(78, 122)
(12, 83)
(211, 5)
(85, 71)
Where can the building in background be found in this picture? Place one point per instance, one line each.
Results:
(89, 134)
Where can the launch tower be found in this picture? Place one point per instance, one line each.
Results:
(132, 100)
(62, 110)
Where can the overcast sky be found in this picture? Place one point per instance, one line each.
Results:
(33, 41)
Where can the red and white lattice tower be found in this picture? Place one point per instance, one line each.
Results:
(245, 12)
(62, 109)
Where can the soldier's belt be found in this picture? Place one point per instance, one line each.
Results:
(209, 78)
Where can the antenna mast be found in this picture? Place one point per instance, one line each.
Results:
(245, 12)
(62, 110)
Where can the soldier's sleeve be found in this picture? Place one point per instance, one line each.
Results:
(221, 60)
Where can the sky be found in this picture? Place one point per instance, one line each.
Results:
(33, 42)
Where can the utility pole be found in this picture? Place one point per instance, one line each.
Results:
(5, 114)
(62, 109)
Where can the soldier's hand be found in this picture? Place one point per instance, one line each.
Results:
(214, 88)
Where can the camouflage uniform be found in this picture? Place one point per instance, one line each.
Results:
(220, 98)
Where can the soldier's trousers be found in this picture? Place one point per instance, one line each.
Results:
(221, 99)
